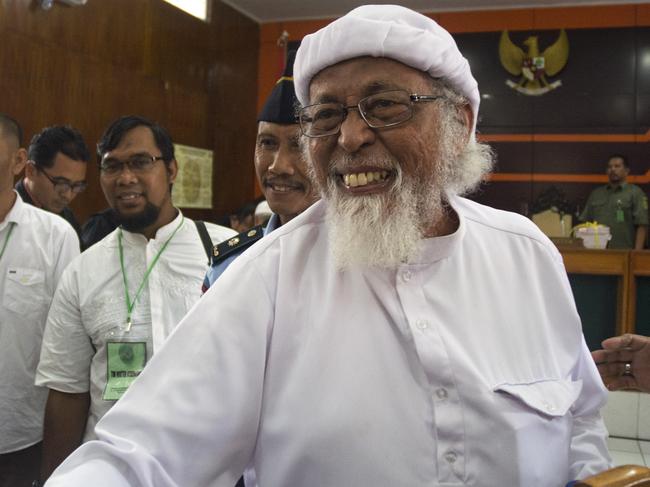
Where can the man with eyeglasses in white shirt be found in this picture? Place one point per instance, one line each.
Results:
(35, 248)
(55, 173)
(392, 334)
(118, 301)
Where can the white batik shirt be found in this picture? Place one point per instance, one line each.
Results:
(89, 309)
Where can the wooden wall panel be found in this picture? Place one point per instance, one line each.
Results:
(643, 15)
(626, 15)
(485, 21)
(88, 65)
(179, 59)
(585, 17)
(233, 107)
(111, 31)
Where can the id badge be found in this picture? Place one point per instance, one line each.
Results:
(620, 216)
(126, 357)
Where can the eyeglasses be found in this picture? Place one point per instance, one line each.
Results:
(385, 109)
(138, 164)
(62, 185)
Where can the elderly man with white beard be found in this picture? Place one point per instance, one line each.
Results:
(393, 334)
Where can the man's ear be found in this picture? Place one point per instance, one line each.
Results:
(20, 161)
(172, 170)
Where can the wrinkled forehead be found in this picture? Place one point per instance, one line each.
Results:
(365, 76)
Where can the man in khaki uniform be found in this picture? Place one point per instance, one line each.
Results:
(621, 206)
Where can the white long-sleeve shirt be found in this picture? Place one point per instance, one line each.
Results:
(38, 249)
(89, 307)
(465, 367)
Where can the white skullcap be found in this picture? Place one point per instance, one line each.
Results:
(388, 31)
(263, 209)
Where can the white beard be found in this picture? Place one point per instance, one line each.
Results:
(387, 229)
(381, 230)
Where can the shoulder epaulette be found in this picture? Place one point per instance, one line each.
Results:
(236, 244)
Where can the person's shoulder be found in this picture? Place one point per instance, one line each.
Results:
(105, 245)
(636, 190)
(68, 215)
(219, 233)
(599, 190)
(291, 243)
(97, 226)
(506, 222)
(107, 215)
(235, 245)
(301, 230)
(37, 216)
(288, 240)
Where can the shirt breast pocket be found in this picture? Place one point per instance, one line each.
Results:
(538, 420)
(25, 292)
(624, 203)
(599, 203)
(551, 398)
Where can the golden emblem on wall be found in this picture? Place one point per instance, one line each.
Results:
(532, 66)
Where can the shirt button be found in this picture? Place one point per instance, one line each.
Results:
(406, 276)
(442, 393)
(450, 456)
(422, 324)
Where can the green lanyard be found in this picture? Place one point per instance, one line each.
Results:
(131, 304)
(4, 245)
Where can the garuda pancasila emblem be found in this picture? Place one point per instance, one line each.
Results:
(533, 67)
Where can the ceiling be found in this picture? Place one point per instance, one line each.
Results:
(263, 11)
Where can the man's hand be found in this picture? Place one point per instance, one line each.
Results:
(619, 351)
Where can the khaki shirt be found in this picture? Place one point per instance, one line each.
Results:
(621, 208)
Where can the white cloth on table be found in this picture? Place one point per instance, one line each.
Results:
(465, 367)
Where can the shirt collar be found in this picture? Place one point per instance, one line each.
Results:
(273, 224)
(162, 233)
(16, 213)
(620, 187)
(437, 248)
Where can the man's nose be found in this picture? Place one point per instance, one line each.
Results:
(126, 174)
(67, 194)
(355, 132)
(283, 162)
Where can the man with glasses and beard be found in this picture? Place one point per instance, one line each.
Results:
(394, 333)
(117, 303)
(56, 171)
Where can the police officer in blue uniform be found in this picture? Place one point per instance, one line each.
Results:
(281, 171)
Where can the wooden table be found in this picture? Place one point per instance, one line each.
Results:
(626, 265)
